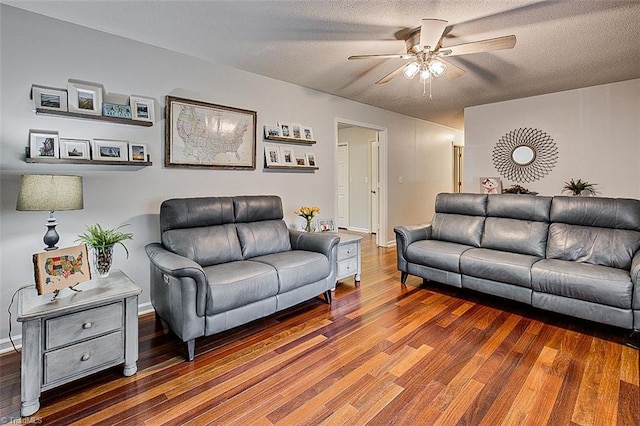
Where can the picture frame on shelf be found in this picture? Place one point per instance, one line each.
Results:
(287, 156)
(43, 144)
(285, 129)
(49, 98)
(307, 133)
(326, 225)
(272, 155)
(301, 161)
(58, 269)
(84, 98)
(75, 149)
(296, 131)
(110, 150)
(490, 185)
(235, 126)
(142, 109)
(138, 151)
(310, 158)
(272, 132)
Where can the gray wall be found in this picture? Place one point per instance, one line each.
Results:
(40, 50)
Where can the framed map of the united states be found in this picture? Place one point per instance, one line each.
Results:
(200, 134)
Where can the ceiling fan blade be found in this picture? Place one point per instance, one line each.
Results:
(499, 43)
(392, 74)
(452, 71)
(383, 56)
(431, 33)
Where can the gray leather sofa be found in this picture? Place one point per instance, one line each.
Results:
(225, 261)
(578, 256)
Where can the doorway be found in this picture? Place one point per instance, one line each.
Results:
(360, 179)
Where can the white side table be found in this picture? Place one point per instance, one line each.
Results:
(349, 256)
(76, 334)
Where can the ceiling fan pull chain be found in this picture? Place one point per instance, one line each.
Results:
(430, 98)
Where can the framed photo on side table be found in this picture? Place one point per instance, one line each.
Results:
(49, 98)
(142, 108)
(43, 144)
(75, 149)
(84, 98)
(200, 134)
(108, 150)
(326, 225)
(490, 185)
(57, 269)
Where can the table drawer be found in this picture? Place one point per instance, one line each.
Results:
(82, 325)
(346, 251)
(347, 267)
(76, 359)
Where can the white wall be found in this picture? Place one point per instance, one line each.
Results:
(36, 49)
(596, 130)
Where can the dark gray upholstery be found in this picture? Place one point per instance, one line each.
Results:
(225, 261)
(572, 255)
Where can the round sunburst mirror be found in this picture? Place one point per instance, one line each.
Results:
(525, 155)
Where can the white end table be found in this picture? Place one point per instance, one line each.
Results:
(349, 256)
(76, 334)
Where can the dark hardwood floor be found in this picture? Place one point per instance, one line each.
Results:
(381, 354)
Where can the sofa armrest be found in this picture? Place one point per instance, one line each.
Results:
(310, 241)
(405, 235)
(635, 279)
(174, 265)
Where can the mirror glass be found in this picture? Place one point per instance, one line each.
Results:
(523, 155)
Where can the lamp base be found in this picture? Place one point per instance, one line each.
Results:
(51, 237)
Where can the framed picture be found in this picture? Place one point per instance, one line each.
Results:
(326, 225)
(296, 131)
(272, 155)
(285, 130)
(84, 98)
(307, 133)
(287, 156)
(142, 108)
(75, 149)
(57, 269)
(301, 161)
(137, 151)
(272, 132)
(49, 98)
(199, 134)
(43, 144)
(108, 150)
(490, 185)
(311, 159)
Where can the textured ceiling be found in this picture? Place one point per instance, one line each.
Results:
(561, 45)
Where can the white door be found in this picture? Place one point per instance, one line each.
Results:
(343, 186)
(375, 187)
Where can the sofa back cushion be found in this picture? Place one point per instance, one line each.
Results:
(519, 206)
(602, 231)
(265, 237)
(459, 218)
(256, 208)
(206, 245)
(178, 213)
(462, 204)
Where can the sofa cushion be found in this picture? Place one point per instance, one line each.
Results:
(501, 266)
(519, 206)
(464, 204)
(513, 235)
(457, 228)
(583, 281)
(617, 213)
(208, 245)
(236, 284)
(255, 208)
(180, 213)
(600, 246)
(297, 268)
(266, 237)
(436, 254)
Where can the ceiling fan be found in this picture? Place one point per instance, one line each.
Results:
(424, 47)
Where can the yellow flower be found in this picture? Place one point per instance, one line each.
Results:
(307, 212)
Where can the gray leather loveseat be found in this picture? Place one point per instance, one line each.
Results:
(225, 261)
(578, 256)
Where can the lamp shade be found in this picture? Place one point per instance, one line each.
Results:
(50, 193)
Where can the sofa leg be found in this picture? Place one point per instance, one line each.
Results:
(327, 296)
(191, 349)
(403, 277)
(632, 339)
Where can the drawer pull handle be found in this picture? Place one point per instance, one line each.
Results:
(85, 357)
(87, 325)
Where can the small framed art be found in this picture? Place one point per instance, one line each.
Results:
(310, 157)
(326, 225)
(137, 151)
(490, 185)
(43, 144)
(75, 149)
(57, 269)
(301, 161)
(285, 130)
(272, 155)
(142, 108)
(287, 156)
(272, 132)
(84, 98)
(108, 150)
(307, 133)
(49, 98)
(296, 131)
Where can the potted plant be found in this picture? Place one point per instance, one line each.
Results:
(518, 189)
(102, 242)
(580, 187)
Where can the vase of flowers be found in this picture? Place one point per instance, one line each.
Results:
(308, 213)
(102, 242)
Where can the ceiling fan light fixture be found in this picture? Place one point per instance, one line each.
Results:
(411, 69)
(437, 68)
(424, 74)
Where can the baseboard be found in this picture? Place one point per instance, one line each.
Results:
(5, 344)
(356, 229)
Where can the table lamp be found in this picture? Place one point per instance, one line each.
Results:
(50, 193)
